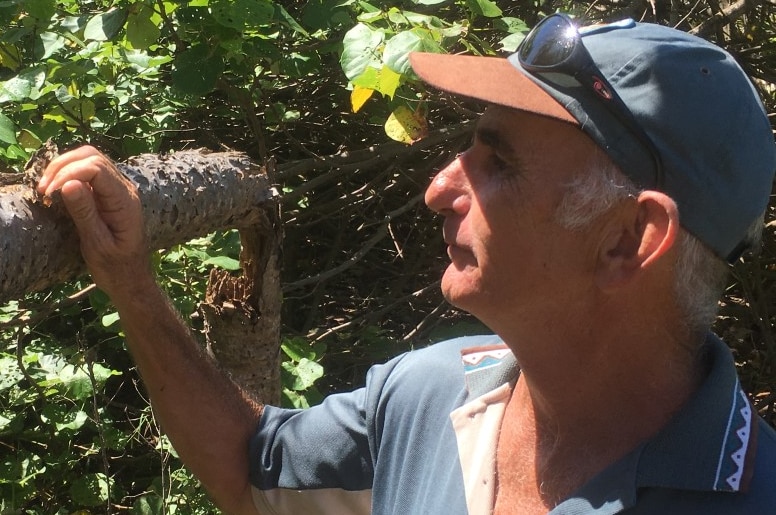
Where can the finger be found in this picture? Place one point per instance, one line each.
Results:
(59, 162)
(79, 202)
(96, 169)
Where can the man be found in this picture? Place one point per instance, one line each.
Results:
(588, 226)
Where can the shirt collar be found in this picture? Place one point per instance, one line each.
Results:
(708, 446)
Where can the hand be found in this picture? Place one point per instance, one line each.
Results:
(107, 213)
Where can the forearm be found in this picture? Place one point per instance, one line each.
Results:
(207, 417)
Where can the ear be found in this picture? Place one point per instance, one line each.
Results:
(642, 232)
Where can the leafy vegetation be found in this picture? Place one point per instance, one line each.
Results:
(294, 82)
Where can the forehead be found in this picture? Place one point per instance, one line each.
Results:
(530, 136)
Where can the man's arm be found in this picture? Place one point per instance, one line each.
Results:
(207, 417)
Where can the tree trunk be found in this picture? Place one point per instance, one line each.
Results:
(242, 314)
(184, 195)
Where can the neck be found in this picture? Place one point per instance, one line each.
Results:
(586, 398)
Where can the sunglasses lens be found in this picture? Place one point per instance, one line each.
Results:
(549, 44)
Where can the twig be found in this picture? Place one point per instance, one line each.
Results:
(724, 17)
(427, 320)
(98, 422)
(381, 233)
(45, 310)
(20, 362)
(362, 158)
(373, 314)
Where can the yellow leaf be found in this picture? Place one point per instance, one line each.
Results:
(359, 96)
(406, 125)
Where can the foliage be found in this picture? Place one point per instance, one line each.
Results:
(288, 81)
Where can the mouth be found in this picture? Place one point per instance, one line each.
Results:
(459, 253)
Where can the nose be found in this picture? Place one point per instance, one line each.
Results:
(449, 191)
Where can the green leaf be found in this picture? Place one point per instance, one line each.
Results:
(386, 81)
(63, 418)
(105, 26)
(486, 8)
(224, 262)
(511, 42)
(24, 86)
(361, 49)
(305, 373)
(282, 15)
(512, 25)
(48, 44)
(298, 349)
(7, 130)
(90, 490)
(239, 14)
(293, 399)
(142, 32)
(41, 9)
(110, 319)
(197, 69)
(149, 504)
(398, 48)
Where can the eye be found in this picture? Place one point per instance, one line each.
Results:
(500, 167)
(498, 164)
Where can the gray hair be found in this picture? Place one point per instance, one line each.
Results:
(700, 276)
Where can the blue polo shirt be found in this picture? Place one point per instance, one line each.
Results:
(420, 438)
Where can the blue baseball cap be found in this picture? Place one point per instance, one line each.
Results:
(698, 109)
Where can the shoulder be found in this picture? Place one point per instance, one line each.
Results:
(764, 477)
(431, 376)
(436, 362)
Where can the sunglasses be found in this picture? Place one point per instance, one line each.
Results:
(554, 46)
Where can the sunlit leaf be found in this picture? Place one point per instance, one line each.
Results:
(385, 81)
(305, 373)
(398, 48)
(110, 319)
(7, 130)
(361, 50)
(359, 96)
(224, 262)
(105, 26)
(486, 8)
(141, 31)
(24, 86)
(48, 44)
(511, 42)
(405, 125)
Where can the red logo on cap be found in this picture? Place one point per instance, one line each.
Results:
(601, 89)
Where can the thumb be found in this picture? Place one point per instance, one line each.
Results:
(79, 202)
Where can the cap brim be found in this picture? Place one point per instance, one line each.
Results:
(491, 79)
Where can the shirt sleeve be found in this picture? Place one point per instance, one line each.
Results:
(323, 455)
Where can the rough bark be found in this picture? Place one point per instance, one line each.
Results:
(242, 314)
(184, 195)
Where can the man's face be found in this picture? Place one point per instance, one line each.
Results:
(499, 201)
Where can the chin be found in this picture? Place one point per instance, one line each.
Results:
(458, 290)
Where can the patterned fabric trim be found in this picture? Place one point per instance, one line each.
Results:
(488, 367)
(738, 439)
